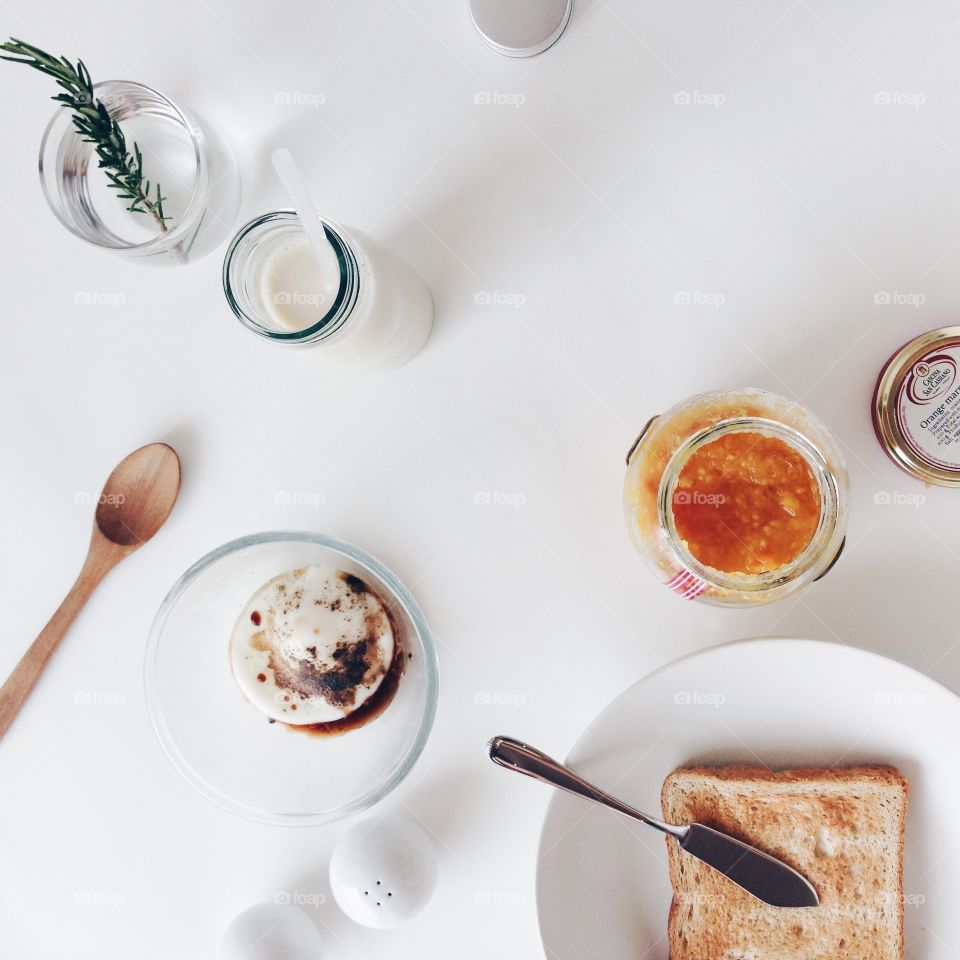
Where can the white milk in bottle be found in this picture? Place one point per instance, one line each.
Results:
(356, 299)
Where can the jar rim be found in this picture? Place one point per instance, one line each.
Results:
(347, 291)
(111, 241)
(810, 559)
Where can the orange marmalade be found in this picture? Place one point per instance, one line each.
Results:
(746, 503)
(736, 497)
(661, 441)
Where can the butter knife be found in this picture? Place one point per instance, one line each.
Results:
(761, 875)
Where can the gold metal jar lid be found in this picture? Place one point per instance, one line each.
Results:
(916, 407)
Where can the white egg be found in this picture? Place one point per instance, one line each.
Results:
(383, 871)
(311, 646)
(271, 931)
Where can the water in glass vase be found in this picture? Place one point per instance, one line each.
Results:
(169, 159)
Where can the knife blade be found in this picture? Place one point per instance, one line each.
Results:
(760, 874)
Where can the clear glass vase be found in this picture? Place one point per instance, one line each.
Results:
(192, 163)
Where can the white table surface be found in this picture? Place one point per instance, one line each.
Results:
(782, 200)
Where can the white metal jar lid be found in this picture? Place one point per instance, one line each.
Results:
(520, 28)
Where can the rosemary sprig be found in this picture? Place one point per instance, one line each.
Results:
(92, 120)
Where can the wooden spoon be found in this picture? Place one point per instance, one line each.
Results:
(136, 500)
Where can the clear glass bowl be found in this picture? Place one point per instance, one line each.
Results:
(224, 746)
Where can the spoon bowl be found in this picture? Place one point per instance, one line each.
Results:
(138, 495)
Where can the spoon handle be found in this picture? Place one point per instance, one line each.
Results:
(531, 762)
(26, 673)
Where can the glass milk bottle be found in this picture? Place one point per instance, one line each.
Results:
(357, 300)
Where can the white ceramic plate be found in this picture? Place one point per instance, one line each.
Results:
(602, 887)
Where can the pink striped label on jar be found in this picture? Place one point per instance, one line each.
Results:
(686, 585)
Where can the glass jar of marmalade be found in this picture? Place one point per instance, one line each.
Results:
(737, 497)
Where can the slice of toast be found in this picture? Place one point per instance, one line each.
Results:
(842, 829)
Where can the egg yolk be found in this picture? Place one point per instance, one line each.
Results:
(746, 503)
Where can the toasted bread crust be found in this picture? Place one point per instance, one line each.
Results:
(878, 772)
(842, 828)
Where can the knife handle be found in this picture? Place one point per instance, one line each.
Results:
(522, 758)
